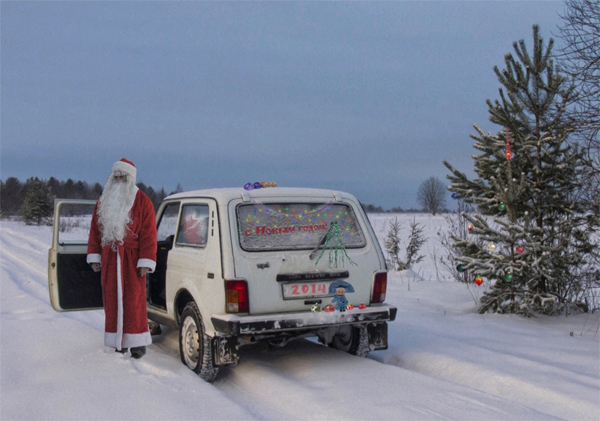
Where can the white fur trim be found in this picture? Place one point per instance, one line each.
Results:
(119, 301)
(124, 167)
(94, 258)
(147, 263)
(132, 340)
(127, 340)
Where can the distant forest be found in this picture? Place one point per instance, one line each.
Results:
(379, 209)
(13, 192)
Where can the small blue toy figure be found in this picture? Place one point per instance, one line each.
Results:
(339, 288)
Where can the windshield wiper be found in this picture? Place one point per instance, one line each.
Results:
(321, 241)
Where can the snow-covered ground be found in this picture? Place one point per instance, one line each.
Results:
(444, 361)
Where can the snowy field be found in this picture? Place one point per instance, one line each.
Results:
(444, 361)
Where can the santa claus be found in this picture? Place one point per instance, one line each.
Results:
(122, 245)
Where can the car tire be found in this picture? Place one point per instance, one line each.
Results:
(194, 345)
(352, 339)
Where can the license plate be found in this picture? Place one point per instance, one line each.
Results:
(305, 290)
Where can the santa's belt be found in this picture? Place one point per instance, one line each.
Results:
(129, 244)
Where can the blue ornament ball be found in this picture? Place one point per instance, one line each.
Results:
(257, 185)
(454, 196)
(248, 186)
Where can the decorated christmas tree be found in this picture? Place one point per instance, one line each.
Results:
(526, 194)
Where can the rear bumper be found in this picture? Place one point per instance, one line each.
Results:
(234, 325)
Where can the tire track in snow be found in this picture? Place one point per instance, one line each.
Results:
(23, 262)
(25, 244)
(505, 380)
(305, 380)
(26, 273)
(492, 381)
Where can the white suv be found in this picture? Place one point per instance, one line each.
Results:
(238, 266)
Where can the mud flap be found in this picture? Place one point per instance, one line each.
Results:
(154, 328)
(378, 335)
(225, 350)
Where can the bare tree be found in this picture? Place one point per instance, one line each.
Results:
(432, 195)
(581, 60)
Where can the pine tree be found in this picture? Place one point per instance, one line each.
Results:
(37, 205)
(530, 216)
(11, 198)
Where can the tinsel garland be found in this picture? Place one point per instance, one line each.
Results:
(335, 245)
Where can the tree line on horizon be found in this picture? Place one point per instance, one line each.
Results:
(34, 198)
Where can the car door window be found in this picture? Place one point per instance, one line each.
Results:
(74, 223)
(193, 226)
(168, 222)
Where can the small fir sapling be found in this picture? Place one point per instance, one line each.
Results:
(392, 244)
(415, 242)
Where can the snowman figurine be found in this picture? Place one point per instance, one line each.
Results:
(339, 288)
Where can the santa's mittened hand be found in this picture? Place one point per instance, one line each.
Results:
(144, 271)
(96, 267)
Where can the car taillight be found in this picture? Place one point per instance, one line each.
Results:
(379, 287)
(237, 296)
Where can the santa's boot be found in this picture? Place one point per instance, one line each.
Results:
(138, 352)
(122, 350)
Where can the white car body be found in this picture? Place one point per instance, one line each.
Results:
(261, 246)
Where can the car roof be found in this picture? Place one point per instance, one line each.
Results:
(225, 195)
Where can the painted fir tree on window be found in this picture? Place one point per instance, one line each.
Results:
(526, 193)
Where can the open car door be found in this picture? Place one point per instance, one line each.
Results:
(72, 283)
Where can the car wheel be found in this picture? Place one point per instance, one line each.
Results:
(194, 344)
(352, 339)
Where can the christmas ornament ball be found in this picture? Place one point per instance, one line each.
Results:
(491, 247)
(329, 308)
(454, 196)
(349, 306)
(509, 277)
(362, 306)
(479, 280)
(501, 207)
(470, 227)
(520, 249)
(316, 308)
(460, 268)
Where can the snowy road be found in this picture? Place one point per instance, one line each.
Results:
(444, 362)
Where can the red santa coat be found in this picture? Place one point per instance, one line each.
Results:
(123, 289)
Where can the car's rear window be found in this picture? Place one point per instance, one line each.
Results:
(295, 226)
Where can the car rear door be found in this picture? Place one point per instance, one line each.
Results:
(273, 246)
(72, 283)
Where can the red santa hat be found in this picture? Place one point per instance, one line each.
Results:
(124, 167)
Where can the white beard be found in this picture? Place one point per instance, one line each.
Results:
(113, 210)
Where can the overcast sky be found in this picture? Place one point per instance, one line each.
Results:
(365, 97)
